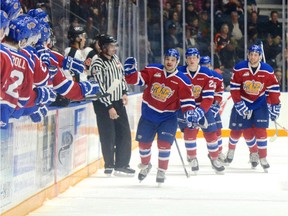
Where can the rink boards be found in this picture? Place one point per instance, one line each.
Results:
(40, 161)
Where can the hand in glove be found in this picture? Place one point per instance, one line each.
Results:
(193, 117)
(75, 66)
(39, 114)
(45, 95)
(130, 66)
(215, 109)
(274, 111)
(242, 109)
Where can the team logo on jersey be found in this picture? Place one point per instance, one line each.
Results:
(161, 92)
(157, 75)
(246, 74)
(252, 87)
(196, 91)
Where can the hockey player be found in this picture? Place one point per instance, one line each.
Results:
(203, 88)
(8, 101)
(249, 82)
(215, 108)
(167, 90)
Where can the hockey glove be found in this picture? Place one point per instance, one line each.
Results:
(6, 111)
(189, 119)
(44, 55)
(274, 111)
(215, 109)
(242, 109)
(75, 66)
(53, 71)
(89, 88)
(39, 114)
(45, 95)
(130, 66)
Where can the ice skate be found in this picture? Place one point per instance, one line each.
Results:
(265, 165)
(221, 157)
(160, 177)
(144, 170)
(229, 156)
(254, 160)
(124, 171)
(108, 171)
(193, 163)
(217, 165)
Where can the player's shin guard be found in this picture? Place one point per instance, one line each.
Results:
(145, 152)
(164, 148)
(234, 138)
(212, 144)
(190, 142)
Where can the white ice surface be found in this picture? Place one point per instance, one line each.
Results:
(241, 191)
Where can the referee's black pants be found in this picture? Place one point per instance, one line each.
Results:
(115, 135)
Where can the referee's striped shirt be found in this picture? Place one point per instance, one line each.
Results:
(106, 71)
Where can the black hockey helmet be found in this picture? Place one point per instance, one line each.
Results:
(104, 39)
(75, 32)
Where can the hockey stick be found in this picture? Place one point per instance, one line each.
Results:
(281, 126)
(109, 91)
(182, 161)
(272, 139)
(204, 126)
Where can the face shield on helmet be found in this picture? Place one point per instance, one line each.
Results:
(4, 22)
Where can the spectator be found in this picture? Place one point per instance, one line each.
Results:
(224, 47)
(190, 13)
(175, 21)
(271, 48)
(274, 27)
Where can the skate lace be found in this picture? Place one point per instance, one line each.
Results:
(217, 163)
(254, 157)
(263, 161)
(230, 153)
(145, 168)
(160, 174)
(193, 162)
(221, 156)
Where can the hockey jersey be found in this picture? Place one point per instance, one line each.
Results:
(251, 86)
(22, 74)
(9, 94)
(203, 86)
(41, 73)
(165, 92)
(219, 87)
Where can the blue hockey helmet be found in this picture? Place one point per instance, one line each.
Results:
(11, 7)
(39, 14)
(255, 48)
(20, 29)
(174, 53)
(192, 52)
(45, 32)
(205, 60)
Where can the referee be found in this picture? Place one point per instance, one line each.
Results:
(112, 119)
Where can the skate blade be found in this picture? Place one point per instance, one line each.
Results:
(121, 174)
(193, 173)
(265, 170)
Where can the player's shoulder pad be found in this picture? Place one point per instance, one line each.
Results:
(241, 65)
(266, 67)
(183, 77)
(206, 71)
(158, 66)
(215, 74)
(182, 68)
